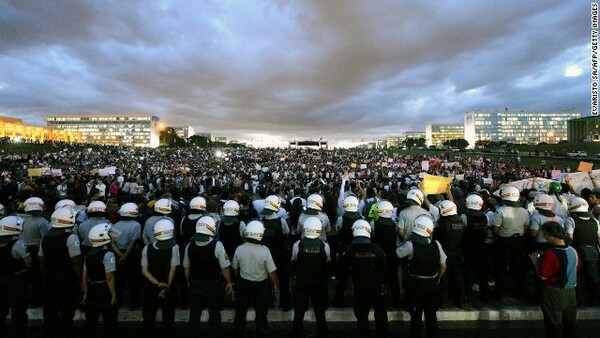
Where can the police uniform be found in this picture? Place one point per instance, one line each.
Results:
(34, 228)
(128, 232)
(345, 237)
(60, 260)
(540, 243)
(187, 229)
(384, 235)
(310, 258)
(275, 238)
(367, 263)
(449, 233)
(322, 216)
(510, 222)
(13, 286)
(254, 263)
(205, 261)
(159, 258)
(475, 250)
(424, 260)
(406, 218)
(230, 235)
(586, 234)
(97, 264)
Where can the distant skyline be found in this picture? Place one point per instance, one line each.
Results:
(276, 71)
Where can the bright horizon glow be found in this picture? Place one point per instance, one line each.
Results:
(573, 71)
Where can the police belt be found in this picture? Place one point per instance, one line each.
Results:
(94, 282)
(423, 277)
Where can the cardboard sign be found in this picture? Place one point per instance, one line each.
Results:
(433, 185)
(34, 172)
(585, 166)
(425, 165)
(363, 166)
(583, 180)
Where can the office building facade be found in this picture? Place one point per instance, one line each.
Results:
(517, 127)
(585, 129)
(122, 130)
(184, 132)
(437, 134)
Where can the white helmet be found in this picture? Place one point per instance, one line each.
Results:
(350, 204)
(510, 193)
(312, 227)
(64, 203)
(33, 204)
(163, 206)
(96, 206)
(578, 204)
(474, 202)
(272, 203)
(2, 210)
(385, 209)
(63, 218)
(416, 195)
(129, 210)
(11, 226)
(447, 208)
(543, 202)
(231, 208)
(163, 230)
(361, 228)
(423, 226)
(254, 230)
(198, 203)
(206, 226)
(99, 234)
(315, 201)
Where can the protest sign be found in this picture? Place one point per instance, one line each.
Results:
(363, 166)
(433, 185)
(583, 180)
(34, 172)
(585, 166)
(425, 165)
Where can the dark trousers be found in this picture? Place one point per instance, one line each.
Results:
(452, 283)
(206, 295)
(314, 292)
(130, 273)
(281, 260)
(476, 266)
(559, 307)
(510, 250)
(36, 276)
(369, 296)
(61, 296)
(589, 270)
(392, 271)
(98, 303)
(423, 299)
(257, 294)
(150, 307)
(13, 296)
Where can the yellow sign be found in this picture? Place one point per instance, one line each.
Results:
(34, 172)
(433, 185)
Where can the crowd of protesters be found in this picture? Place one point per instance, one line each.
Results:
(360, 210)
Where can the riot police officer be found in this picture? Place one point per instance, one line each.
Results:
(205, 264)
(310, 258)
(35, 227)
(188, 224)
(99, 285)
(367, 264)
(96, 212)
(231, 228)
(127, 232)
(161, 211)
(385, 235)
(15, 260)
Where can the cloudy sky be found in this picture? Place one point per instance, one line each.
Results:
(284, 70)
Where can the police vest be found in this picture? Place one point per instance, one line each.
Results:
(273, 237)
(585, 232)
(94, 265)
(345, 235)
(425, 261)
(188, 228)
(8, 264)
(385, 235)
(449, 233)
(56, 253)
(159, 262)
(204, 266)
(476, 230)
(311, 263)
(366, 262)
(229, 235)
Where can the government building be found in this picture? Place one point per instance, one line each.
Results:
(122, 130)
(16, 131)
(437, 134)
(518, 127)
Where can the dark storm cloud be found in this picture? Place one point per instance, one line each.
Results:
(291, 69)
